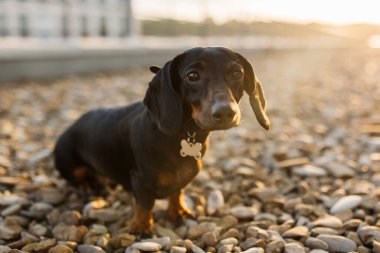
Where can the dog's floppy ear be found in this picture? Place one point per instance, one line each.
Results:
(252, 87)
(163, 100)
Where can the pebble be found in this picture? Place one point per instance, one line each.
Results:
(369, 233)
(254, 250)
(296, 232)
(96, 204)
(86, 248)
(293, 248)
(275, 246)
(38, 230)
(200, 229)
(9, 229)
(340, 170)
(60, 249)
(12, 199)
(70, 217)
(69, 232)
(122, 240)
(11, 210)
(328, 221)
(177, 249)
(147, 246)
(215, 200)
(243, 212)
(226, 248)
(41, 246)
(309, 170)
(315, 243)
(209, 238)
(338, 243)
(163, 241)
(39, 210)
(346, 202)
(4, 249)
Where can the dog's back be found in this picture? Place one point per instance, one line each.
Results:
(98, 142)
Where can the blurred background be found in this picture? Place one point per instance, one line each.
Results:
(49, 38)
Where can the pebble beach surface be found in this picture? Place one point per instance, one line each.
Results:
(310, 184)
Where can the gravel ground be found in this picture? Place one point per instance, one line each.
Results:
(310, 184)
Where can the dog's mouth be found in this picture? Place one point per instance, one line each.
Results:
(214, 126)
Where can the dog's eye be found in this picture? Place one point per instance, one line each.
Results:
(237, 74)
(193, 76)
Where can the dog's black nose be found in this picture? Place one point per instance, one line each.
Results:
(223, 112)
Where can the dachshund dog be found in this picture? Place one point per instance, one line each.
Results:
(154, 147)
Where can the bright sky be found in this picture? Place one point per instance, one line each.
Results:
(325, 11)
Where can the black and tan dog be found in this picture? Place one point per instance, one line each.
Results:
(153, 147)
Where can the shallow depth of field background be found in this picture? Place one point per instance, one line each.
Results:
(311, 182)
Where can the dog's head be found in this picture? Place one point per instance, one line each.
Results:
(210, 81)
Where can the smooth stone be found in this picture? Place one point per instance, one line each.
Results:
(60, 249)
(275, 246)
(293, 248)
(309, 170)
(41, 246)
(166, 232)
(328, 221)
(195, 249)
(315, 243)
(369, 233)
(95, 204)
(38, 230)
(226, 248)
(318, 251)
(340, 170)
(376, 246)
(69, 232)
(243, 212)
(266, 217)
(177, 249)
(163, 241)
(39, 210)
(122, 240)
(52, 196)
(200, 229)
(4, 249)
(11, 210)
(9, 229)
(228, 241)
(147, 246)
(86, 248)
(257, 233)
(209, 238)
(346, 202)
(254, 250)
(105, 215)
(296, 232)
(323, 231)
(215, 200)
(12, 199)
(338, 243)
(70, 217)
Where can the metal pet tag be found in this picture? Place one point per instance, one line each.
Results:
(191, 148)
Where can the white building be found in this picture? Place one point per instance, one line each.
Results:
(60, 19)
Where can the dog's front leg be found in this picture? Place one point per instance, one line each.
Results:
(177, 210)
(142, 223)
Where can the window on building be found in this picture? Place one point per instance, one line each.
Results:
(84, 26)
(24, 29)
(103, 27)
(3, 25)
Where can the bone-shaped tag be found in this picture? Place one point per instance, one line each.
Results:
(191, 149)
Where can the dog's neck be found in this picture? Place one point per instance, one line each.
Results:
(189, 127)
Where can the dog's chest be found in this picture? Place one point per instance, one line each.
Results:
(169, 181)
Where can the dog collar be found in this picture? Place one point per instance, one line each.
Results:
(189, 147)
